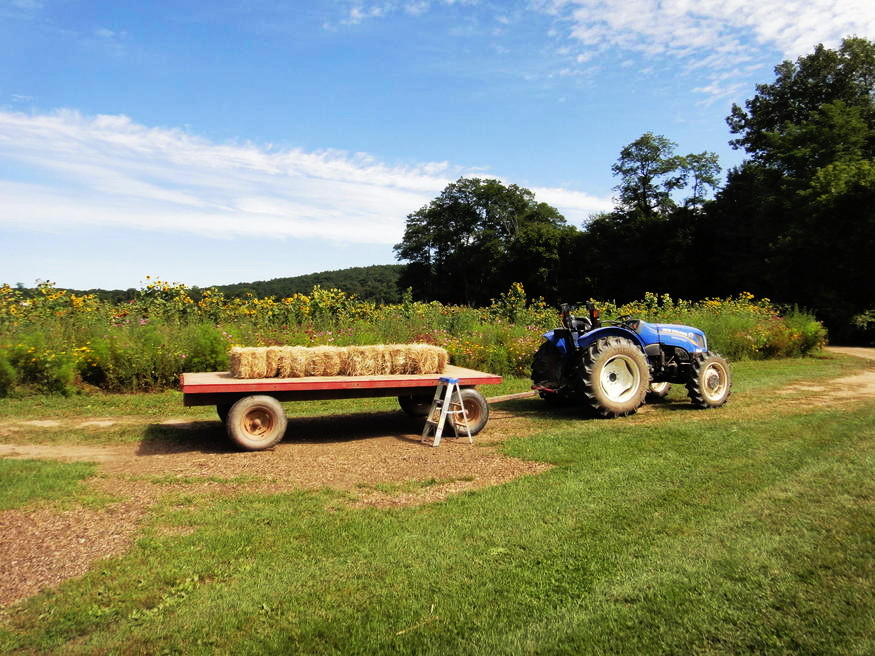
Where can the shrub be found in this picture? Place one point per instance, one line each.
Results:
(7, 375)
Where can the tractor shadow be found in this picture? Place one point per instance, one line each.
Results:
(535, 408)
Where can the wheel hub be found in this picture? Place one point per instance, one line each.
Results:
(619, 378)
(258, 421)
(714, 381)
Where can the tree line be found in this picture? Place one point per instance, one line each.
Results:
(795, 221)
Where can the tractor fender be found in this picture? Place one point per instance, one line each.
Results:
(556, 340)
(610, 331)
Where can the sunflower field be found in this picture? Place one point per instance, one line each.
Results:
(53, 341)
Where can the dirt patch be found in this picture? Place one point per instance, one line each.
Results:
(849, 388)
(376, 457)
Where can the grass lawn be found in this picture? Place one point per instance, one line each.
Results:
(23, 481)
(748, 529)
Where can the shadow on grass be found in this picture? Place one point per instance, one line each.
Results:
(569, 410)
(211, 436)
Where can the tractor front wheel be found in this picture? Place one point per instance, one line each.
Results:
(710, 382)
(614, 377)
(656, 392)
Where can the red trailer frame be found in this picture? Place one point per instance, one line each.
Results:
(251, 410)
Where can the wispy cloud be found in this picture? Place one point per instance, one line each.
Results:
(73, 170)
(681, 27)
(710, 36)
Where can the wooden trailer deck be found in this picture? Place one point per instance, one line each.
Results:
(218, 388)
(255, 420)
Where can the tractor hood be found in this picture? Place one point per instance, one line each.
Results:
(643, 333)
(686, 337)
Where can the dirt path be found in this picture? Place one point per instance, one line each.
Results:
(375, 456)
(861, 385)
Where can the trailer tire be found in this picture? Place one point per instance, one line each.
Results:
(256, 422)
(614, 376)
(710, 382)
(476, 408)
(416, 405)
(222, 409)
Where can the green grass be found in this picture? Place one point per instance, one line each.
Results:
(743, 530)
(25, 481)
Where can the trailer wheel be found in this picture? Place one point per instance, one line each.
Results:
(710, 382)
(222, 409)
(415, 405)
(256, 422)
(476, 408)
(614, 376)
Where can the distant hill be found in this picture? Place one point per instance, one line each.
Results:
(372, 283)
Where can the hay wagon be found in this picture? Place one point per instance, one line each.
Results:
(254, 417)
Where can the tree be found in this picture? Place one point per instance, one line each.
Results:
(806, 196)
(801, 90)
(646, 242)
(650, 173)
(476, 238)
(703, 168)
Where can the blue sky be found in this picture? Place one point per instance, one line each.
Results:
(211, 143)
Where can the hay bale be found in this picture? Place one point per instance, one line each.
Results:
(427, 359)
(399, 358)
(365, 360)
(248, 362)
(292, 362)
(272, 357)
(324, 361)
(373, 360)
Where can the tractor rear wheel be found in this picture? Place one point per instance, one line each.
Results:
(710, 382)
(614, 376)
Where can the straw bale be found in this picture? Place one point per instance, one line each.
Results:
(399, 358)
(373, 360)
(365, 360)
(272, 356)
(427, 359)
(248, 362)
(292, 362)
(324, 361)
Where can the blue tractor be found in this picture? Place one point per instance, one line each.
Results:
(614, 367)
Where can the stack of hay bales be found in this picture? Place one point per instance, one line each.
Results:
(300, 361)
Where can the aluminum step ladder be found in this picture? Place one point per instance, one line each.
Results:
(447, 401)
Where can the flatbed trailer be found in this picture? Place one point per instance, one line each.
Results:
(252, 412)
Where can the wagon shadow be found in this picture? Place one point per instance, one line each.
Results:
(192, 437)
(327, 429)
(210, 436)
